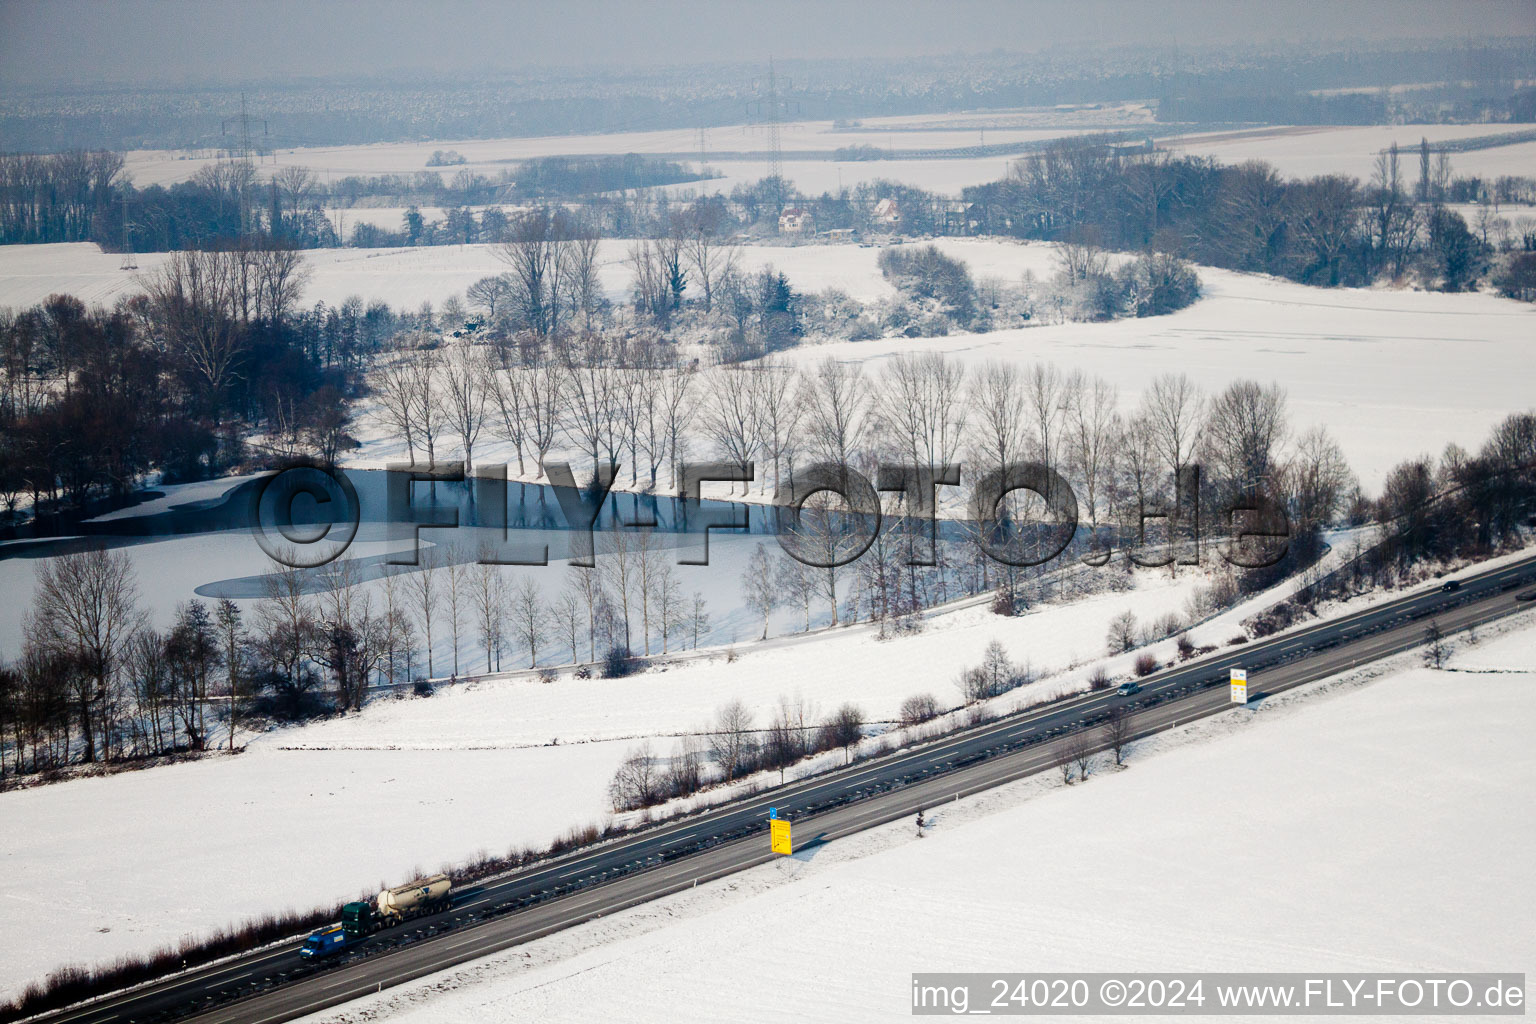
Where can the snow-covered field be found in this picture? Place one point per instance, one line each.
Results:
(97, 868)
(492, 156)
(822, 670)
(1358, 825)
(1299, 151)
(478, 766)
(1307, 151)
(1392, 373)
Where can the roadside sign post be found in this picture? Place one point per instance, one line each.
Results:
(1239, 686)
(778, 834)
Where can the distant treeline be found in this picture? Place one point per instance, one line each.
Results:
(1449, 104)
(356, 111)
(173, 378)
(78, 197)
(1328, 230)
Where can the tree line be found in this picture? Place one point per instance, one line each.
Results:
(1328, 230)
(172, 379)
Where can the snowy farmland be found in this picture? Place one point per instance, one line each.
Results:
(492, 156)
(925, 151)
(1305, 152)
(1349, 826)
(485, 766)
(481, 766)
(1392, 372)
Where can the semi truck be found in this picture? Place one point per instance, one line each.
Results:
(361, 918)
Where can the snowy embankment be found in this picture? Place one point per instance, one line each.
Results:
(316, 813)
(1379, 821)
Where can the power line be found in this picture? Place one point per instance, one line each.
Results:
(768, 109)
(130, 261)
(244, 120)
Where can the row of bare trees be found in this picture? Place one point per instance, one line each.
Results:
(627, 400)
(734, 745)
(95, 681)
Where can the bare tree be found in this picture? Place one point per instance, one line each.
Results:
(759, 586)
(506, 401)
(429, 408)
(194, 301)
(232, 636)
(666, 601)
(730, 740)
(1244, 430)
(650, 561)
(1317, 479)
(1081, 255)
(394, 385)
(86, 606)
(1173, 410)
(528, 617)
(1435, 648)
(837, 399)
(1093, 430)
(1117, 732)
(457, 577)
(464, 397)
(281, 271)
(998, 431)
(731, 415)
(488, 594)
(677, 400)
(845, 728)
(919, 708)
(532, 248)
(285, 632)
(708, 255)
(426, 588)
(1122, 632)
(621, 574)
(1082, 753)
(566, 618)
(779, 415)
(489, 293)
(798, 584)
(1062, 757)
(698, 618)
(783, 744)
(921, 408)
(589, 389)
(587, 585)
(637, 781)
(581, 272)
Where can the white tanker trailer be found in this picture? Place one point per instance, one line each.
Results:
(418, 897)
(390, 907)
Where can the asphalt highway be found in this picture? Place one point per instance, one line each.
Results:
(273, 985)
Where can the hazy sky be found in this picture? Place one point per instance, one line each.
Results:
(91, 41)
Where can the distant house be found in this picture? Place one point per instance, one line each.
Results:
(886, 214)
(838, 234)
(796, 220)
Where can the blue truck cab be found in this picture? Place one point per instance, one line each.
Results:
(325, 942)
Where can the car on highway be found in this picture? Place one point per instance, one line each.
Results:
(1529, 595)
(1127, 689)
(1450, 586)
